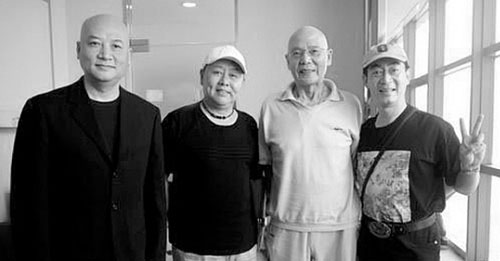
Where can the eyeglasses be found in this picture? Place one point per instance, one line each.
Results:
(315, 52)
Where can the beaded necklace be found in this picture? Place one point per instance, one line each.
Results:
(214, 115)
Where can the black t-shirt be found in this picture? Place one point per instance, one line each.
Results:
(408, 182)
(107, 116)
(210, 210)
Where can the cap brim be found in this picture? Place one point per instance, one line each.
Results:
(234, 59)
(375, 58)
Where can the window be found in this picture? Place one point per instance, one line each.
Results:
(454, 223)
(497, 27)
(495, 158)
(422, 45)
(458, 29)
(456, 104)
(494, 217)
(421, 97)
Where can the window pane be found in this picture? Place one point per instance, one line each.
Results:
(494, 217)
(458, 30)
(496, 116)
(422, 45)
(497, 35)
(421, 97)
(457, 93)
(455, 220)
(400, 41)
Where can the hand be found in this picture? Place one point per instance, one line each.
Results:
(472, 149)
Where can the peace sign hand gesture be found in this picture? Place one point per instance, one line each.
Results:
(472, 149)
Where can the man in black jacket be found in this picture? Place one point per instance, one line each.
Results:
(87, 168)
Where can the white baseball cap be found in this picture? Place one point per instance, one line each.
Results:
(384, 50)
(228, 52)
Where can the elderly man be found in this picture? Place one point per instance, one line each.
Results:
(211, 154)
(405, 158)
(307, 137)
(87, 168)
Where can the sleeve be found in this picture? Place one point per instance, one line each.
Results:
(29, 187)
(264, 152)
(357, 121)
(169, 126)
(449, 147)
(155, 197)
(255, 171)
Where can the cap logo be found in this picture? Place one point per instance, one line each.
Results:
(382, 48)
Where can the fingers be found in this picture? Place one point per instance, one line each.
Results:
(463, 129)
(477, 125)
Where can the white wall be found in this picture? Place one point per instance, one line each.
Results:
(263, 30)
(25, 71)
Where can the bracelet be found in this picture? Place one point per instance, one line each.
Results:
(471, 172)
(470, 169)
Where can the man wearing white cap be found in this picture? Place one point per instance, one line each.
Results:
(405, 158)
(307, 137)
(211, 154)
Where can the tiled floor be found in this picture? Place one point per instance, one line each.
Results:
(446, 255)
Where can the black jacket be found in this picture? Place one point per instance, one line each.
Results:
(69, 200)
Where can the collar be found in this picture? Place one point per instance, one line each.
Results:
(334, 96)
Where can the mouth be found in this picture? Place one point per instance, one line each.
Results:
(306, 71)
(386, 90)
(222, 92)
(105, 66)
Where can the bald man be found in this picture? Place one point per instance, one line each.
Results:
(87, 168)
(307, 138)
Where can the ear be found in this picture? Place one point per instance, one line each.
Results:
(365, 79)
(202, 71)
(287, 59)
(329, 57)
(78, 48)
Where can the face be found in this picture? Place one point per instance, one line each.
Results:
(308, 56)
(221, 81)
(103, 50)
(387, 81)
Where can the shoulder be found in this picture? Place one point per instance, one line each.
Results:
(181, 115)
(184, 110)
(369, 123)
(275, 101)
(349, 97)
(138, 103)
(273, 98)
(247, 118)
(56, 97)
(427, 120)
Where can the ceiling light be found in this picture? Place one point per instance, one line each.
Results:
(189, 4)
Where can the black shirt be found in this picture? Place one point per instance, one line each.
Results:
(107, 116)
(210, 210)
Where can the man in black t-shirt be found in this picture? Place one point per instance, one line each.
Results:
(405, 157)
(211, 158)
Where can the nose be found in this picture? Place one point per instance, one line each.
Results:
(305, 58)
(105, 52)
(224, 79)
(386, 77)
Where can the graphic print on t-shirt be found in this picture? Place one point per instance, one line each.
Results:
(387, 194)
